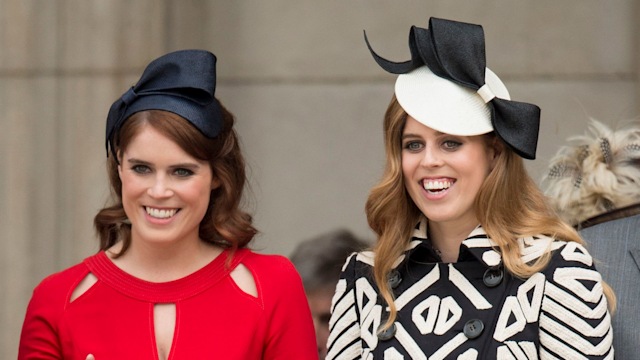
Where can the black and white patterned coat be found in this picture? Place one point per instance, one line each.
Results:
(473, 309)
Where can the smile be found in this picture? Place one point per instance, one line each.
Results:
(436, 186)
(160, 213)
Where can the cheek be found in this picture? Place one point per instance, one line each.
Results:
(135, 190)
(127, 186)
(199, 193)
(131, 184)
(481, 167)
(408, 165)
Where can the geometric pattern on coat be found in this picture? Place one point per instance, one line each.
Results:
(473, 309)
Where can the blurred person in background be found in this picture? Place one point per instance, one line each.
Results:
(594, 184)
(595, 173)
(319, 261)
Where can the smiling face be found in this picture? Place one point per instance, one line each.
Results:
(443, 173)
(165, 191)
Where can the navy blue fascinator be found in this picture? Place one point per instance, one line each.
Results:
(182, 82)
(447, 86)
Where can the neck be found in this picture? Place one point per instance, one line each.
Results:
(164, 262)
(447, 237)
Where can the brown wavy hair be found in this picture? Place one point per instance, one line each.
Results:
(509, 205)
(224, 223)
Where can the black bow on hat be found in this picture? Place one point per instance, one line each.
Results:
(455, 51)
(182, 82)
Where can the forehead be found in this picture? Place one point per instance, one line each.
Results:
(148, 133)
(413, 126)
(152, 143)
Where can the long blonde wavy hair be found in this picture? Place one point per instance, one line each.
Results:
(509, 205)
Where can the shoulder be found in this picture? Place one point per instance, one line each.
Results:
(565, 257)
(571, 276)
(359, 260)
(357, 266)
(534, 247)
(569, 254)
(561, 253)
(271, 272)
(618, 229)
(61, 284)
(268, 263)
(276, 279)
(50, 297)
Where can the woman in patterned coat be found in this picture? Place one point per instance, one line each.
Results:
(470, 261)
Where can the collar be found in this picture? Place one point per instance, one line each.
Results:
(476, 247)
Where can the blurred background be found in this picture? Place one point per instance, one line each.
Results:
(307, 95)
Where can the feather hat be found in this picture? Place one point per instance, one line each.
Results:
(595, 173)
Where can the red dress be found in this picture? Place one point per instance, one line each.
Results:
(215, 319)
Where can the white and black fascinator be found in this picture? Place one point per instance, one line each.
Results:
(447, 87)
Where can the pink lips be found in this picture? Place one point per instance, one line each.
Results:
(160, 216)
(436, 188)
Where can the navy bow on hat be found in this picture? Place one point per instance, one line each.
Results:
(455, 51)
(182, 82)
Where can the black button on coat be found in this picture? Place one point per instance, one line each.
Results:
(474, 309)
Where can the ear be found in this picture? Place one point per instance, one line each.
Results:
(215, 182)
(496, 146)
(119, 158)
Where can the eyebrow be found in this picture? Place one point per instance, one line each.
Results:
(410, 135)
(406, 136)
(138, 161)
(174, 166)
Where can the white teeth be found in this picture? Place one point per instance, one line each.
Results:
(159, 213)
(437, 185)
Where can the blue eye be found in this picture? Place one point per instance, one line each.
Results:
(413, 145)
(451, 145)
(183, 172)
(140, 169)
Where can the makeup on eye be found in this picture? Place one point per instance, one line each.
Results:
(451, 144)
(179, 170)
(413, 145)
(416, 145)
(140, 169)
(183, 172)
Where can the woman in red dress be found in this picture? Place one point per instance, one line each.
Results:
(174, 278)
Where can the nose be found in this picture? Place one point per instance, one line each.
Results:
(431, 158)
(160, 188)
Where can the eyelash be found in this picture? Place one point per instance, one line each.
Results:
(140, 169)
(183, 172)
(446, 144)
(179, 172)
(455, 144)
(409, 145)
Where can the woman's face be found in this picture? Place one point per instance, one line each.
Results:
(443, 173)
(165, 191)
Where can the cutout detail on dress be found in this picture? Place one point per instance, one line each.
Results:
(244, 279)
(83, 286)
(164, 324)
